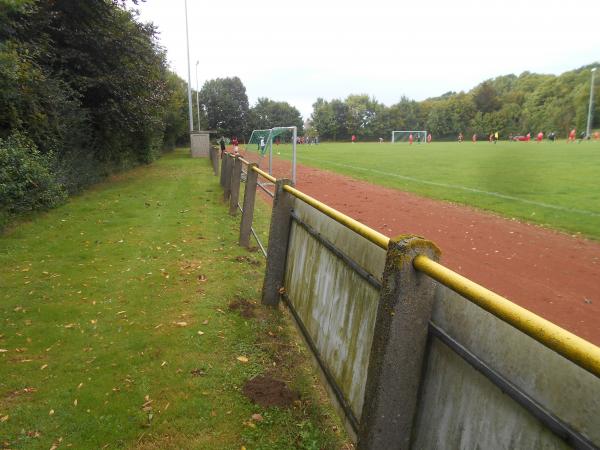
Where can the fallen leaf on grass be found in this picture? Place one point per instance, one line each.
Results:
(56, 444)
(75, 402)
(197, 372)
(257, 417)
(164, 363)
(70, 325)
(44, 366)
(3, 350)
(242, 359)
(202, 278)
(181, 324)
(200, 333)
(205, 322)
(51, 412)
(4, 418)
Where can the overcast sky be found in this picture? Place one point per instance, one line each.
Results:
(331, 48)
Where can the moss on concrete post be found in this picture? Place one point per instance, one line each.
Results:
(214, 159)
(248, 209)
(279, 237)
(228, 172)
(236, 176)
(222, 177)
(398, 350)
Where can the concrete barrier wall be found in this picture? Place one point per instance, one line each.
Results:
(462, 408)
(484, 384)
(336, 305)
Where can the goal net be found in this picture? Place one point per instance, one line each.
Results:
(418, 136)
(284, 139)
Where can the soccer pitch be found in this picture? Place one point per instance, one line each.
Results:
(553, 184)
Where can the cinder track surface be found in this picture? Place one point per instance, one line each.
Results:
(554, 274)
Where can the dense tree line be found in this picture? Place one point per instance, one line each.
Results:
(84, 90)
(507, 104)
(225, 106)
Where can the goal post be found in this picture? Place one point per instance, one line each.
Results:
(268, 136)
(404, 136)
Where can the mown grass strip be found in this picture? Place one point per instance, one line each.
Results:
(116, 331)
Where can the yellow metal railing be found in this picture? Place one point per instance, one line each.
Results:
(579, 351)
(262, 173)
(574, 348)
(374, 236)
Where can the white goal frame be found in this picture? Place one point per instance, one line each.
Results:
(414, 132)
(273, 131)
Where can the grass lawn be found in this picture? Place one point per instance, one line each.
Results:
(556, 185)
(116, 331)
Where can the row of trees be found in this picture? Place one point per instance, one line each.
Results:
(84, 90)
(225, 109)
(507, 104)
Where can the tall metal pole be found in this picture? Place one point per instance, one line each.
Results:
(197, 94)
(588, 132)
(187, 40)
(294, 137)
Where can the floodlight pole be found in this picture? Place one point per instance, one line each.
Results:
(294, 135)
(589, 117)
(197, 95)
(189, 85)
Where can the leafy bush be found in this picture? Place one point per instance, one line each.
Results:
(27, 182)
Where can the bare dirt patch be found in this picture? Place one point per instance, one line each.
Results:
(245, 308)
(266, 391)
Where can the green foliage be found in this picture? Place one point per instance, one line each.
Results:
(88, 83)
(27, 182)
(507, 104)
(226, 105)
(269, 114)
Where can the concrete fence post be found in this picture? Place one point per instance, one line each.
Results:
(236, 176)
(214, 159)
(279, 236)
(228, 172)
(248, 209)
(223, 162)
(398, 349)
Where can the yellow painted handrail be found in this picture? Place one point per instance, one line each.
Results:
(374, 236)
(574, 348)
(579, 351)
(265, 174)
(262, 173)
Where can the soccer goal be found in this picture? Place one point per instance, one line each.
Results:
(404, 136)
(277, 134)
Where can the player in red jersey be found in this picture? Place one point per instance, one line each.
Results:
(572, 134)
(410, 139)
(540, 136)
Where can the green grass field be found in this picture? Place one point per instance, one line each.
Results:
(555, 185)
(115, 330)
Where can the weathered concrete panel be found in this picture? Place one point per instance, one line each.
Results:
(200, 144)
(461, 408)
(337, 306)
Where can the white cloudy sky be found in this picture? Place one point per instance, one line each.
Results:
(298, 51)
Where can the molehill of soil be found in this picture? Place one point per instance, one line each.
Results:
(266, 391)
(245, 308)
